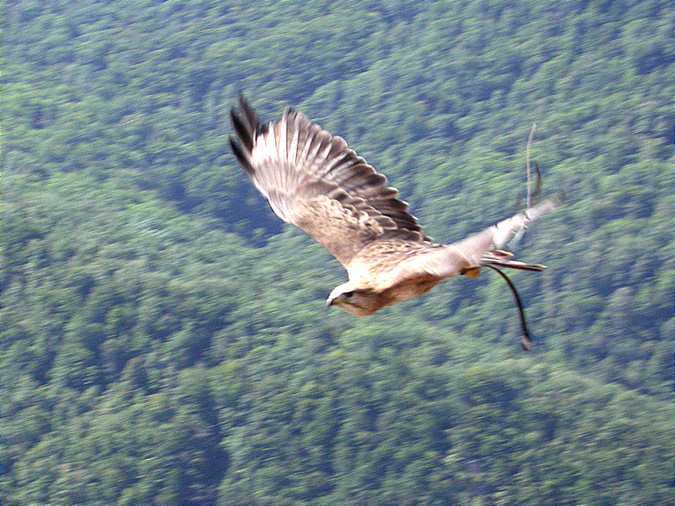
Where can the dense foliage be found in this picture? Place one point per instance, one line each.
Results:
(163, 337)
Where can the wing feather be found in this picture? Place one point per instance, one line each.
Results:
(313, 180)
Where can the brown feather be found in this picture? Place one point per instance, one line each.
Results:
(316, 182)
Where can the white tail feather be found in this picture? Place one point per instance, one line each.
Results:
(513, 228)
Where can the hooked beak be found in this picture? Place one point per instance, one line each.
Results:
(329, 302)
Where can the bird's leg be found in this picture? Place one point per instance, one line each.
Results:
(526, 340)
(471, 272)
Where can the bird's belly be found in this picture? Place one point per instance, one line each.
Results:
(410, 290)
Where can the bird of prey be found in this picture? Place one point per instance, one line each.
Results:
(313, 180)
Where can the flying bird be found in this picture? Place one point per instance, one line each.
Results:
(313, 180)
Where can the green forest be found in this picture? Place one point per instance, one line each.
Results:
(163, 335)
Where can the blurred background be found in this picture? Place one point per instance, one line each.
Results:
(163, 337)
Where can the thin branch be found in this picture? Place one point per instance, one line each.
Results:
(537, 187)
(527, 164)
(526, 340)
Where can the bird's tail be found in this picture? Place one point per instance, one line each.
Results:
(489, 246)
(507, 231)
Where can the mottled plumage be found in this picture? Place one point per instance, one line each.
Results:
(313, 180)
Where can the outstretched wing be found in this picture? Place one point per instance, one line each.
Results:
(313, 180)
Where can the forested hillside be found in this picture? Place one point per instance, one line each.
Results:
(163, 336)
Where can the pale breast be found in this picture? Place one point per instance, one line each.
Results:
(376, 265)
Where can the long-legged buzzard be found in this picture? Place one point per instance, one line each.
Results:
(313, 180)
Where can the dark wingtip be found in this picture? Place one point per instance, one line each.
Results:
(262, 128)
(249, 113)
(245, 122)
(242, 129)
(239, 154)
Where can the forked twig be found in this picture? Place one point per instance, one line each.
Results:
(526, 341)
(527, 164)
(537, 186)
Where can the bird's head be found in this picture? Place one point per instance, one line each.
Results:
(356, 301)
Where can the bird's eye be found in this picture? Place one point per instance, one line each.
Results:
(348, 295)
